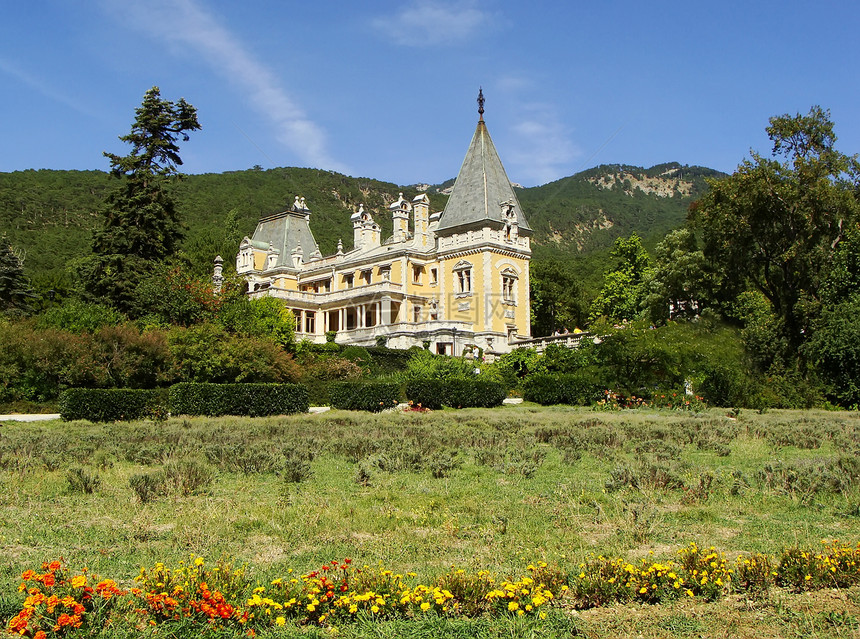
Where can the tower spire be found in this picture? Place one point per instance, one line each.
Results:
(481, 104)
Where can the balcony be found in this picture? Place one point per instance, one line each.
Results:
(364, 293)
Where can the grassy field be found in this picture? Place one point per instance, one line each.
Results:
(478, 489)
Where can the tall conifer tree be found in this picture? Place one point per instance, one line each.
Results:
(15, 292)
(140, 225)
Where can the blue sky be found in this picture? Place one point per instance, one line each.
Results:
(387, 89)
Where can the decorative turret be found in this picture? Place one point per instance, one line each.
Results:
(218, 274)
(482, 195)
(400, 216)
(366, 232)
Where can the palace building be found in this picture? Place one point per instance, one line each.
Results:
(453, 279)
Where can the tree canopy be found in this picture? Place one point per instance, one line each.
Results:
(774, 223)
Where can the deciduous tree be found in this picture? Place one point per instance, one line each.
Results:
(773, 225)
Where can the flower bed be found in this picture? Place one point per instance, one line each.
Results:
(195, 598)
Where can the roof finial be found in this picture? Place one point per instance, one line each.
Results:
(481, 103)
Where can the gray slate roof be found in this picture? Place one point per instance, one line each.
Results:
(286, 231)
(481, 187)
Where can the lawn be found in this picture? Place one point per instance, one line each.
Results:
(478, 489)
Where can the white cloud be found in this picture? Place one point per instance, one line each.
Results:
(38, 85)
(541, 149)
(431, 23)
(185, 22)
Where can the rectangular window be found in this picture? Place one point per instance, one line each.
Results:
(310, 322)
(417, 272)
(366, 276)
(347, 280)
(509, 284)
(464, 280)
(434, 276)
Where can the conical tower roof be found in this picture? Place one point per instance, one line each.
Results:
(482, 191)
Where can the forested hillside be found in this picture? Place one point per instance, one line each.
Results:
(49, 214)
(589, 210)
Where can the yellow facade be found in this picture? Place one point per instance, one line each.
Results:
(451, 280)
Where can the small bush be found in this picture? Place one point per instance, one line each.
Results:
(252, 400)
(148, 486)
(369, 396)
(82, 481)
(109, 404)
(295, 469)
(441, 464)
(188, 476)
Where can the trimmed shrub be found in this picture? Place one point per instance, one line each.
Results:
(253, 400)
(370, 396)
(456, 393)
(389, 360)
(110, 404)
(573, 388)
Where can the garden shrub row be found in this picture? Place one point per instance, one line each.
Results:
(253, 400)
(360, 395)
(572, 388)
(186, 398)
(455, 393)
(111, 404)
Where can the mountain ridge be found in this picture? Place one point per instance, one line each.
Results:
(49, 214)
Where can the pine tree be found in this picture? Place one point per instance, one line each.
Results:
(141, 226)
(15, 292)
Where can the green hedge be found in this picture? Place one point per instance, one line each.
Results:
(456, 393)
(370, 396)
(253, 400)
(111, 404)
(572, 388)
(389, 360)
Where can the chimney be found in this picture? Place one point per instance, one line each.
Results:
(400, 216)
(421, 209)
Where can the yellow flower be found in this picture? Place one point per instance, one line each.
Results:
(280, 621)
(425, 606)
(513, 605)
